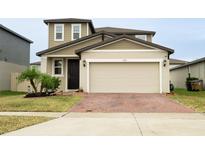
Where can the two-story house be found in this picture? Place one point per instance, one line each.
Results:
(14, 55)
(104, 60)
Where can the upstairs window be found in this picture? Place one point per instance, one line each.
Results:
(142, 37)
(59, 32)
(76, 31)
(58, 67)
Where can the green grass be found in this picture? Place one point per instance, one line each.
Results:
(11, 123)
(194, 100)
(14, 101)
(10, 93)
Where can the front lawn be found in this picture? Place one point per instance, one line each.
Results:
(15, 101)
(11, 123)
(194, 100)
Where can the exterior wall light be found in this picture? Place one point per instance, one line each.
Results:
(164, 62)
(84, 63)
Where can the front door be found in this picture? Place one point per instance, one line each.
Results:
(73, 74)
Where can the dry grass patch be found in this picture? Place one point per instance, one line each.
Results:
(194, 100)
(11, 123)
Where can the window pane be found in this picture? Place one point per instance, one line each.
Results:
(76, 29)
(59, 29)
(58, 71)
(59, 35)
(76, 36)
(58, 63)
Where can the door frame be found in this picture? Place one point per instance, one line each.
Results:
(66, 73)
(88, 61)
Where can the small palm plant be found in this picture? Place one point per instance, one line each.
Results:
(33, 76)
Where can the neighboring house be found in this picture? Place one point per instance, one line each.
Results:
(105, 60)
(179, 74)
(36, 65)
(14, 55)
(176, 62)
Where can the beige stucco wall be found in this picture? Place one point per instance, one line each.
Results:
(178, 76)
(67, 33)
(125, 55)
(5, 73)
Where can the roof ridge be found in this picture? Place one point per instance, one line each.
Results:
(15, 33)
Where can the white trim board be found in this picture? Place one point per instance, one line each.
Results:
(58, 40)
(80, 26)
(63, 56)
(124, 51)
(53, 67)
(88, 61)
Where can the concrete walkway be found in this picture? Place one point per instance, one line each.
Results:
(44, 114)
(119, 124)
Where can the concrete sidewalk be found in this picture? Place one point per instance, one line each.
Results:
(43, 114)
(119, 124)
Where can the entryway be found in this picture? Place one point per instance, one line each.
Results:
(73, 74)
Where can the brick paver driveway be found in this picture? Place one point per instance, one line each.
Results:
(97, 102)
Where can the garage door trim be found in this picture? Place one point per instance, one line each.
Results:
(88, 61)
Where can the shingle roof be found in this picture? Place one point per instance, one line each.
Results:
(119, 31)
(73, 42)
(176, 61)
(128, 37)
(189, 63)
(15, 34)
(71, 20)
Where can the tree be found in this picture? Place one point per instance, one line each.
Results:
(31, 75)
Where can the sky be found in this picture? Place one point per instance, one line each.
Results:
(185, 36)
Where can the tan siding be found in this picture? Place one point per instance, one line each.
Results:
(71, 50)
(67, 33)
(123, 44)
(124, 77)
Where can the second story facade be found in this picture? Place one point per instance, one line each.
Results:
(65, 30)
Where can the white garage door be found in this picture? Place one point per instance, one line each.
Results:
(124, 77)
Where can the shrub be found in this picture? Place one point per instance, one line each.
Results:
(49, 83)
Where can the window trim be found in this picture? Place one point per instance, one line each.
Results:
(55, 25)
(53, 67)
(141, 35)
(72, 25)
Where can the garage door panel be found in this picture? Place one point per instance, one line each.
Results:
(124, 77)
